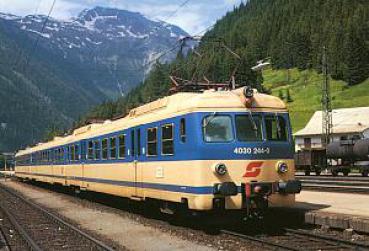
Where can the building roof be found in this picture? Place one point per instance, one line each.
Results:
(167, 107)
(346, 120)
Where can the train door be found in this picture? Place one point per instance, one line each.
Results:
(136, 153)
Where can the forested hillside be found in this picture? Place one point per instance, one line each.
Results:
(301, 90)
(291, 33)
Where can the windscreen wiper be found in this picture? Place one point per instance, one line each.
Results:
(209, 119)
(254, 126)
(279, 130)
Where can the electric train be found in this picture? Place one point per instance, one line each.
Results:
(214, 151)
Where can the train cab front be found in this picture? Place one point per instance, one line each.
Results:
(264, 183)
(252, 162)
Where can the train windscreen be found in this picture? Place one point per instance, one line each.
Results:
(217, 128)
(276, 128)
(248, 128)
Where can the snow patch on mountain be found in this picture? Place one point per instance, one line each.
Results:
(45, 35)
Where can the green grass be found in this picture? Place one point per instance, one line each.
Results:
(305, 91)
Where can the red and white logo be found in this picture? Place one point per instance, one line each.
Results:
(253, 169)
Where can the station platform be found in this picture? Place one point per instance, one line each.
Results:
(336, 210)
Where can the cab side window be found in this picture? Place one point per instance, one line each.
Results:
(183, 130)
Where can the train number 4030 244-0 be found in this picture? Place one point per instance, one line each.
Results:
(252, 150)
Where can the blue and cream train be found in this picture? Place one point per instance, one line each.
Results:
(210, 151)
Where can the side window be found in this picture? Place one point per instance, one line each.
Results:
(167, 143)
(76, 149)
(61, 154)
(67, 152)
(72, 153)
(152, 141)
(90, 150)
(97, 149)
(104, 144)
(113, 148)
(122, 146)
(183, 130)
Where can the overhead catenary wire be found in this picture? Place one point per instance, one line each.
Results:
(21, 52)
(34, 47)
(176, 11)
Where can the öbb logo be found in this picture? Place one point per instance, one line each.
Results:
(253, 169)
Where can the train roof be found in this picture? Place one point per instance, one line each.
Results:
(176, 104)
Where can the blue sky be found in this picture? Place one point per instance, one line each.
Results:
(193, 17)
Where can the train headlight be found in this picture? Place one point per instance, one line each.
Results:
(220, 169)
(282, 167)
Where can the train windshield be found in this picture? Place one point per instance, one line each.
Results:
(217, 128)
(248, 128)
(276, 128)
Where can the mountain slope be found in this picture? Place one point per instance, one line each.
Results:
(78, 64)
(100, 47)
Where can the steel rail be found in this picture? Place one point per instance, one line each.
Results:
(334, 178)
(58, 220)
(352, 185)
(262, 241)
(5, 247)
(327, 239)
(30, 242)
(335, 188)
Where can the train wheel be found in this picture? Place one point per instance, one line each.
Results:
(365, 173)
(346, 172)
(317, 173)
(307, 173)
(334, 173)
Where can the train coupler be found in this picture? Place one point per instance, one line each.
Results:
(255, 199)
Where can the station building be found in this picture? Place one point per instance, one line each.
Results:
(348, 123)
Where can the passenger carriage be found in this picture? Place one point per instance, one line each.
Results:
(216, 150)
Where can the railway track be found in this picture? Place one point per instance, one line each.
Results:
(335, 184)
(297, 240)
(28, 226)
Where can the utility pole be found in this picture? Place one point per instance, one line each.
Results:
(326, 103)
